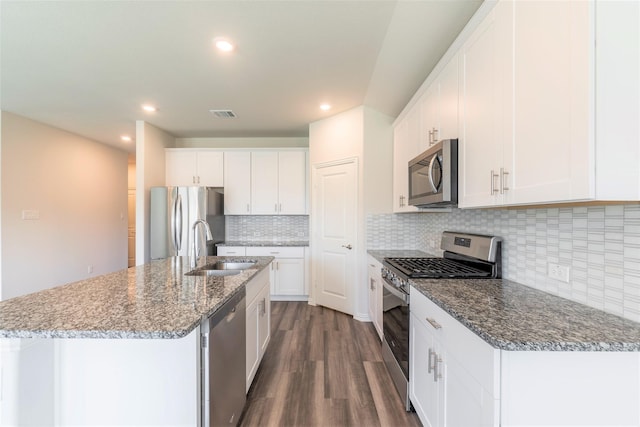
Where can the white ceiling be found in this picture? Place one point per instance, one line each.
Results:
(87, 66)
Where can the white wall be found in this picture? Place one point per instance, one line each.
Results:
(78, 187)
(150, 172)
(241, 142)
(367, 135)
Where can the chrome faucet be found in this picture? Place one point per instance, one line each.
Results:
(194, 258)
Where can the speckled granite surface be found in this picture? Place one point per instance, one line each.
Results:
(155, 300)
(511, 316)
(264, 243)
(381, 254)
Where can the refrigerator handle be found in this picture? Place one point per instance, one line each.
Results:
(178, 225)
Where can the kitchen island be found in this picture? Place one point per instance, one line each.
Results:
(125, 347)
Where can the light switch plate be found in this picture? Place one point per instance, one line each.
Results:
(30, 214)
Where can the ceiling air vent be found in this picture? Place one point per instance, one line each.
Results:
(223, 114)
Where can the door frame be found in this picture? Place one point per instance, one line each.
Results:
(313, 222)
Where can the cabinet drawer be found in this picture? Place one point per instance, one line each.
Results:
(231, 251)
(476, 356)
(276, 251)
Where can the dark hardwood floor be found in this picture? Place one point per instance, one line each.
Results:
(322, 368)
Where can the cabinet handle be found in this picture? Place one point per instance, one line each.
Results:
(400, 202)
(280, 207)
(247, 207)
(433, 323)
(494, 190)
(431, 137)
(429, 362)
(275, 207)
(436, 372)
(193, 179)
(435, 135)
(503, 179)
(372, 285)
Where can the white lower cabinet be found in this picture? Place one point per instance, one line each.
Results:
(458, 379)
(258, 323)
(453, 375)
(375, 294)
(289, 273)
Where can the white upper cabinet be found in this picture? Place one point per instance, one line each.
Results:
(484, 99)
(440, 107)
(292, 182)
(265, 182)
(237, 183)
(278, 183)
(406, 138)
(543, 108)
(186, 167)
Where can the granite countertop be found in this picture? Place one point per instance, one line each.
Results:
(264, 243)
(155, 300)
(511, 316)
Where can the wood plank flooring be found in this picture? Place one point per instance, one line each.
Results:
(322, 368)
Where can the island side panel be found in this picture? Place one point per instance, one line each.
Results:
(128, 382)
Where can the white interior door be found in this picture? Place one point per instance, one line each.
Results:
(335, 221)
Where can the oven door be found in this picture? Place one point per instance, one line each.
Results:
(395, 348)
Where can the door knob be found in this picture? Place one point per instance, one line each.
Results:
(347, 246)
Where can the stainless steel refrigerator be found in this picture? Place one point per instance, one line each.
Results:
(173, 212)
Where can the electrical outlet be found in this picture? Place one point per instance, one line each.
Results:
(90, 269)
(559, 272)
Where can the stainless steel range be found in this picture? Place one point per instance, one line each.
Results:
(465, 256)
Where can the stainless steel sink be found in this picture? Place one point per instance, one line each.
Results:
(222, 268)
(212, 273)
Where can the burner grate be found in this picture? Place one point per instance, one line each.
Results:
(435, 267)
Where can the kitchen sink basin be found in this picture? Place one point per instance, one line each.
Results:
(221, 268)
(201, 272)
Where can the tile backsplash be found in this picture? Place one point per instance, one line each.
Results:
(260, 228)
(600, 244)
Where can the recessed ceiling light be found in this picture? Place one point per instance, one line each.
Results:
(125, 138)
(325, 107)
(223, 44)
(149, 108)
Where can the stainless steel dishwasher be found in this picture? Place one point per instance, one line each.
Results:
(223, 363)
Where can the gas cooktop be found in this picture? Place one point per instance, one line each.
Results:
(465, 256)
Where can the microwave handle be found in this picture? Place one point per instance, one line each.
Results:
(430, 173)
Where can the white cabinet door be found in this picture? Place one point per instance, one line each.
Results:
(237, 183)
(292, 182)
(264, 319)
(448, 101)
(430, 117)
(210, 167)
(289, 276)
(253, 350)
(258, 326)
(180, 168)
(549, 158)
(485, 106)
(264, 182)
(403, 150)
(375, 295)
(423, 390)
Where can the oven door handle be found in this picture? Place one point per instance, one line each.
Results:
(393, 290)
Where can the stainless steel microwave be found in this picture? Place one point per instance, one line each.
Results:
(433, 176)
